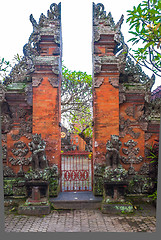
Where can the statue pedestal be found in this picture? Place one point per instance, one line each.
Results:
(114, 201)
(37, 202)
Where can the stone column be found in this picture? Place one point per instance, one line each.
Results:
(106, 39)
(46, 80)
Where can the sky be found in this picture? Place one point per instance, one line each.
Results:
(76, 17)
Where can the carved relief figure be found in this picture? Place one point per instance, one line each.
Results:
(112, 155)
(37, 147)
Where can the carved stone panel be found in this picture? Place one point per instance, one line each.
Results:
(98, 82)
(53, 82)
(4, 153)
(8, 172)
(36, 81)
(131, 153)
(126, 128)
(20, 149)
(144, 170)
(20, 161)
(114, 81)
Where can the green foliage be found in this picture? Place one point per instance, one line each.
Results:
(76, 99)
(145, 26)
(154, 195)
(4, 68)
(115, 175)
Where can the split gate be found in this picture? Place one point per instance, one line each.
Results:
(76, 171)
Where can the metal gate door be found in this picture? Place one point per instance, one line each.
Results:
(76, 172)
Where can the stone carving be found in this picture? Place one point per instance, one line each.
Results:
(53, 82)
(131, 170)
(130, 110)
(2, 93)
(140, 184)
(16, 137)
(26, 126)
(36, 81)
(131, 153)
(144, 170)
(6, 122)
(25, 129)
(125, 128)
(112, 155)
(55, 11)
(37, 147)
(20, 161)
(98, 11)
(98, 81)
(4, 138)
(29, 94)
(114, 81)
(147, 136)
(4, 153)
(20, 149)
(18, 112)
(8, 172)
(153, 109)
(20, 72)
(32, 47)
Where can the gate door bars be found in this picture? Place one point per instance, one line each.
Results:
(76, 171)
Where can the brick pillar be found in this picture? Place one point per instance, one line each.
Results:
(105, 81)
(46, 81)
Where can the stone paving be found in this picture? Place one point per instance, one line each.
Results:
(79, 221)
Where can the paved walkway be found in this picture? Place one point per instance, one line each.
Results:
(79, 221)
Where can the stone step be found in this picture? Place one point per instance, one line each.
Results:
(76, 200)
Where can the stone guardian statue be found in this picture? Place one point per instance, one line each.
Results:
(37, 147)
(112, 154)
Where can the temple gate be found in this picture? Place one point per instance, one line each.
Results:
(122, 104)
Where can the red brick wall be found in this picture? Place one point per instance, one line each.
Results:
(46, 118)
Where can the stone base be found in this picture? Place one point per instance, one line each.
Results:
(33, 210)
(117, 208)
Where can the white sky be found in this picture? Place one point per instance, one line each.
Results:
(15, 27)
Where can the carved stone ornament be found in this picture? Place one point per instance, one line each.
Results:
(144, 170)
(2, 93)
(18, 112)
(98, 11)
(131, 170)
(4, 153)
(20, 149)
(98, 81)
(114, 81)
(125, 128)
(147, 136)
(55, 11)
(4, 138)
(112, 154)
(131, 153)
(6, 122)
(20, 161)
(53, 82)
(8, 172)
(130, 110)
(37, 147)
(36, 81)
(20, 71)
(29, 94)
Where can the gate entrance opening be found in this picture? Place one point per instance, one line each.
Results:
(76, 171)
